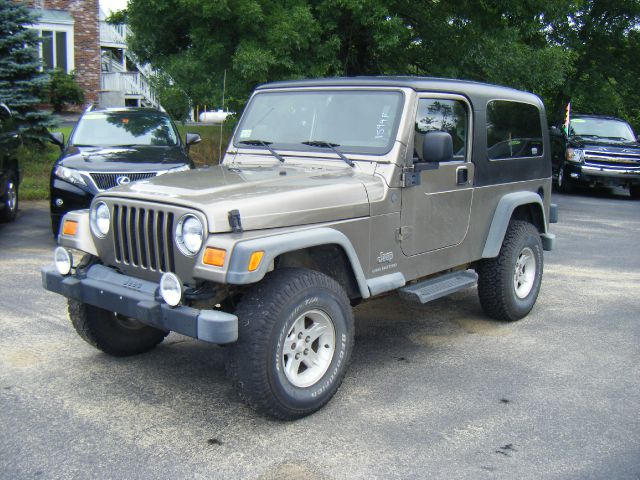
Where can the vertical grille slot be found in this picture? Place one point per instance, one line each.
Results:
(117, 233)
(143, 238)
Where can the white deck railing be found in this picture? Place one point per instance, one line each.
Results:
(131, 83)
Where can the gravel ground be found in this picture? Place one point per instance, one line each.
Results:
(435, 391)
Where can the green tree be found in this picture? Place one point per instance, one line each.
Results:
(603, 37)
(172, 98)
(22, 84)
(583, 50)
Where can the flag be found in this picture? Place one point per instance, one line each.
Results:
(567, 119)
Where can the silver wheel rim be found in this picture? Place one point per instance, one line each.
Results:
(308, 348)
(560, 176)
(12, 197)
(525, 273)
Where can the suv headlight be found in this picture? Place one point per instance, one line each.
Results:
(70, 175)
(189, 235)
(100, 219)
(575, 155)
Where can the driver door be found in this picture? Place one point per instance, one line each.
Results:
(435, 212)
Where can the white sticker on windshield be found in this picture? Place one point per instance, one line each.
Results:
(245, 133)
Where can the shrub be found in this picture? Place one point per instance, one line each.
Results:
(63, 89)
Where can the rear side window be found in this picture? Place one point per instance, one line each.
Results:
(513, 130)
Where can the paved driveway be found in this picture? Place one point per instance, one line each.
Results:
(434, 391)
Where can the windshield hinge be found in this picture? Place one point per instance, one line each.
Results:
(410, 178)
(235, 222)
(403, 233)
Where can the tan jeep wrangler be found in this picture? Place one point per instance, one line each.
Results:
(331, 192)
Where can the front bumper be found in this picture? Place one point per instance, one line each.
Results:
(600, 175)
(103, 287)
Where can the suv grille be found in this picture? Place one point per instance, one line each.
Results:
(143, 238)
(612, 159)
(105, 181)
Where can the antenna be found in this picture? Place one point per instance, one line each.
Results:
(224, 85)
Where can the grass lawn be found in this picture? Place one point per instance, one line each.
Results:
(36, 163)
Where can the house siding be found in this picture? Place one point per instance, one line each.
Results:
(86, 41)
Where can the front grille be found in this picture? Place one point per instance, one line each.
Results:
(612, 159)
(143, 238)
(105, 181)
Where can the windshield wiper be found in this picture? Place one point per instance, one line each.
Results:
(332, 146)
(262, 143)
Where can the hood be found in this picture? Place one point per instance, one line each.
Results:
(604, 144)
(123, 159)
(266, 197)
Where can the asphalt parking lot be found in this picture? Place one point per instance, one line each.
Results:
(434, 391)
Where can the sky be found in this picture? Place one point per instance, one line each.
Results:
(113, 5)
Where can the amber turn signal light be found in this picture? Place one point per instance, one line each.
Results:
(214, 256)
(70, 227)
(254, 261)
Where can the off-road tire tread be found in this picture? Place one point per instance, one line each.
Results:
(492, 291)
(245, 360)
(82, 318)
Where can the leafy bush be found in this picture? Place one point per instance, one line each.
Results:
(63, 89)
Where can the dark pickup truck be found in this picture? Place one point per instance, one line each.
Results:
(598, 151)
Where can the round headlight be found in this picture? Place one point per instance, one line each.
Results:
(189, 235)
(63, 260)
(100, 219)
(171, 289)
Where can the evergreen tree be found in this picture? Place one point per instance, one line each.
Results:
(22, 84)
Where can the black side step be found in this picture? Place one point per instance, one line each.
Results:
(433, 288)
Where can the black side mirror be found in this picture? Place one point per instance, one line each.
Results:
(58, 139)
(555, 131)
(437, 147)
(192, 139)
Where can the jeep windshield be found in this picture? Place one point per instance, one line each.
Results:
(109, 129)
(601, 128)
(357, 122)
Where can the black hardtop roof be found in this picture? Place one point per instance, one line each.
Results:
(465, 87)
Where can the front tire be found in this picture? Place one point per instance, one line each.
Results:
(508, 285)
(562, 182)
(10, 200)
(295, 337)
(112, 333)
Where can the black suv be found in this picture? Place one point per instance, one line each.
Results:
(598, 151)
(10, 140)
(111, 147)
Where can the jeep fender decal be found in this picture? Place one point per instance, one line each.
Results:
(289, 242)
(502, 215)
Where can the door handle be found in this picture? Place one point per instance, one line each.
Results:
(462, 175)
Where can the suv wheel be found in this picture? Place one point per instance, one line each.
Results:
(112, 333)
(562, 182)
(634, 192)
(10, 210)
(508, 285)
(295, 337)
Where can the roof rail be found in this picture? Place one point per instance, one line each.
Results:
(90, 107)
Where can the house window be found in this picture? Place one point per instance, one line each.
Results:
(54, 50)
(55, 28)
